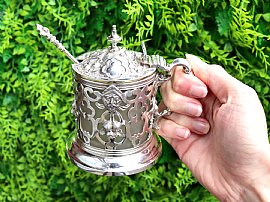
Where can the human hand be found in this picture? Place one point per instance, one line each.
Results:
(220, 133)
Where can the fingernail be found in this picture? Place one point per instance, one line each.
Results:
(200, 126)
(198, 91)
(182, 133)
(193, 109)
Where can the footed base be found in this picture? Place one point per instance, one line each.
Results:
(115, 162)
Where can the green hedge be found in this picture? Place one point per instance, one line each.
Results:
(36, 86)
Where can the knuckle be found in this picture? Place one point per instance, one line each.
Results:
(170, 101)
(163, 129)
(217, 67)
(250, 92)
(246, 93)
(176, 85)
(164, 89)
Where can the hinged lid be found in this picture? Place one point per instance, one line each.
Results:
(114, 63)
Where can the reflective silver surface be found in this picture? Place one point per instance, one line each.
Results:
(115, 162)
(115, 107)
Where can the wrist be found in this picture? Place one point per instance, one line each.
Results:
(258, 188)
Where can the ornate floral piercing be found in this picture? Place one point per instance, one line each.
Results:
(115, 107)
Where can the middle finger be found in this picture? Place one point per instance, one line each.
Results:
(180, 103)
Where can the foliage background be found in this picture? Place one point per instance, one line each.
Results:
(36, 86)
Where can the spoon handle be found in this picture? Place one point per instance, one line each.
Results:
(44, 31)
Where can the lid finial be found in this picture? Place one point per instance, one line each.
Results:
(114, 38)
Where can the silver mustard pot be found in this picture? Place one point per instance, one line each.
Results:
(115, 107)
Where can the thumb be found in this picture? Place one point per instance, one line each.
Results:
(214, 76)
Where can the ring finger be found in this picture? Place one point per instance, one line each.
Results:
(180, 126)
(196, 125)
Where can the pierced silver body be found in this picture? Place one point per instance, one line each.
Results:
(115, 122)
(115, 107)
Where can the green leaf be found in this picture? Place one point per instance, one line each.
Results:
(79, 50)
(43, 3)
(25, 69)
(2, 177)
(266, 89)
(20, 167)
(6, 55)
(18, 50)
(24, 12)
(10, 99)
(266, 17)
(257, 17)
(147, 24)
(192, 27)
(206, 48)
(224, 5)
(149, 17)
(223, 19)
(52, 2)
(93, 3)
(228, 47)
(24, 61)
(77, 41)
(258, 88)
(60, 181)
(27, 7)
(21, 160)
(20, 39)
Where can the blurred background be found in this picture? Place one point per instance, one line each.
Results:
(36, 86)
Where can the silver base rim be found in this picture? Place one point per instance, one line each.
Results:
(115, 165)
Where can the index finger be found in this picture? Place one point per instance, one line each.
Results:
(214, 76)
(187, 84)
